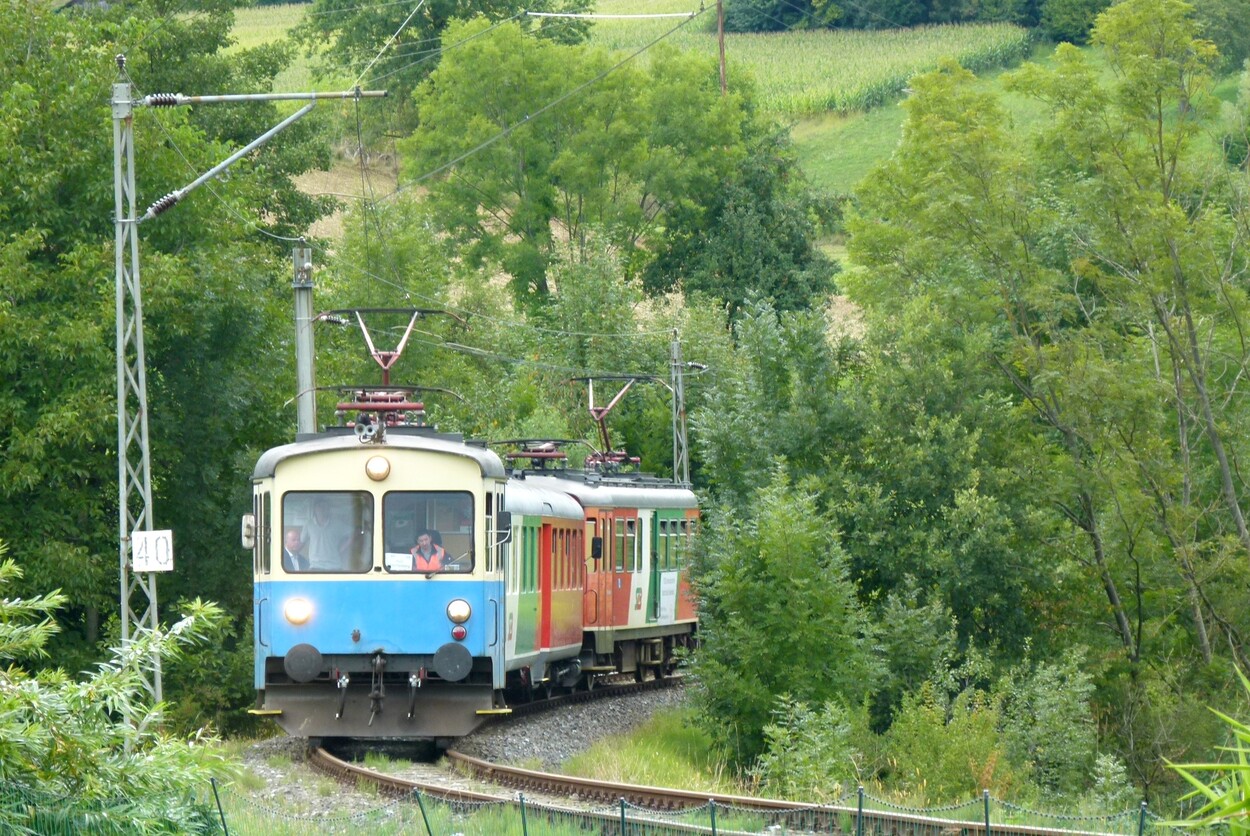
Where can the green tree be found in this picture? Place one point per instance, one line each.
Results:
(213, 292)
(815, 643)
(515, 159)
(1090, 267)
(757, 236)
(1048, 723)
(395, 47)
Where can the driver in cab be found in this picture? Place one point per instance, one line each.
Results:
(427, 556)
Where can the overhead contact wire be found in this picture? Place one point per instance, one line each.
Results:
(389, 41)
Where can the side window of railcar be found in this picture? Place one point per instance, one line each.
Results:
(327, 531)
(530, 580)
(633, 554)
(683, 541)
(262, 510)
(579, 562)
(619, 550)
(662, 552)
(557, 559)
(428, 531)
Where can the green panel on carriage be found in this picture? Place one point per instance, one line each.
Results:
(528, 598)
(666, 531)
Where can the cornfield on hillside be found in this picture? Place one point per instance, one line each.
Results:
(805, 73)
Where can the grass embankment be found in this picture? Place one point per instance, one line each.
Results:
(667, 751)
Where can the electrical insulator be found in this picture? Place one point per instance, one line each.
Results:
(164, 203)
(162, 99)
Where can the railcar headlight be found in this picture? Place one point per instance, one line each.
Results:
(297, 610)
(377, 468)
(459, 611)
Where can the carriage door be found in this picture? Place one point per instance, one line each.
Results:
(665, 576)
(544, 586)
(659, 562)
(605, 574)
(590, 576)
(625, 599)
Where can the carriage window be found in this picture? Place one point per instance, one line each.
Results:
(327, 531)
(664, 556)
(620, 546)
(428, 531)
(683, 542)
(579, 563)
(263, 542)
(531, 560)
(561, 560)
(633, 556)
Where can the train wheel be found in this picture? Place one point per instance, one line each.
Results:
(666, 659)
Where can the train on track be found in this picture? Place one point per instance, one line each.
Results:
(410, 585)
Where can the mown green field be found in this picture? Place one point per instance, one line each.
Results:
(264, 24)
(837, 150)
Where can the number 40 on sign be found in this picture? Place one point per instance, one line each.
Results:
(152, 551)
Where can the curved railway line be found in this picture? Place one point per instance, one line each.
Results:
(652, 808)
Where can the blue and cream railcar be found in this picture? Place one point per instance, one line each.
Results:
(352, 639)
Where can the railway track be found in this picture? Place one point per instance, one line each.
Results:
(621, 808)
(632, 808)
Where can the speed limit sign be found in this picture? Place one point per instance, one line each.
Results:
(152, 551)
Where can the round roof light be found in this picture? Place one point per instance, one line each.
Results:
(377, 468)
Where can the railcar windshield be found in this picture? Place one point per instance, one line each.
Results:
(428, 531)
(327, 531)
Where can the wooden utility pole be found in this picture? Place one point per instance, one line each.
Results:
(720, 40)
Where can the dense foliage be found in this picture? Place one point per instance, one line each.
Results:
(95, 745)
(1041, 447)
(648, 158)
(212, 291)
(393, 46)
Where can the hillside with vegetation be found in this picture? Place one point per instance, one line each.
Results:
(994, 458)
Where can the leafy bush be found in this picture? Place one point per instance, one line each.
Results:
(1111, 789)
(1070, 20)
(95, 744)
(1226, 794)
(814, 642)
(1048, 724)
(810, 754)
(940, 755)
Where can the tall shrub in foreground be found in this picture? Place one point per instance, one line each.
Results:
(807, 636)
(90, 753)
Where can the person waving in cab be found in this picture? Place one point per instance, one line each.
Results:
(427, 555)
